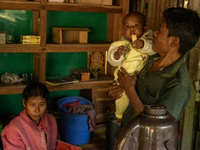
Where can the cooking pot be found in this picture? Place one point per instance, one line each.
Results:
(152, 129)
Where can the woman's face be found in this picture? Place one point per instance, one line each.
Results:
(35, 108)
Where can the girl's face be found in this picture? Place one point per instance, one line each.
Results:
(35, 108)
(133, 26)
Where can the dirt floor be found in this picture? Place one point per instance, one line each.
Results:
(97, 139)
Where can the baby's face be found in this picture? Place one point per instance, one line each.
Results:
(133, 26)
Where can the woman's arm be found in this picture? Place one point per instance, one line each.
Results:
(11, 139)
(127, 83)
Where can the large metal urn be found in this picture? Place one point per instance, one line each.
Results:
(153, 129)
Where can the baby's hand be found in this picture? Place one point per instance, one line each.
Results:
(119, 52)
(138, 44)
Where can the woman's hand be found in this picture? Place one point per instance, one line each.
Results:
(125, 80)
(115, 91)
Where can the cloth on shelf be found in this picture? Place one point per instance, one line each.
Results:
(76, 108)
(61, 145)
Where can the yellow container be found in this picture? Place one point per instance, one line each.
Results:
(30, 42)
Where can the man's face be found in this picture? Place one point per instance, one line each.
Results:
(160, 40)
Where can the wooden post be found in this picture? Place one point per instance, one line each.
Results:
(42, 59)
(35, 55)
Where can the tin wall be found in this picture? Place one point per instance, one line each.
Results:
(153, 9)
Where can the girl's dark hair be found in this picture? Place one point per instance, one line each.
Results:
(185, 24)
(35, 89)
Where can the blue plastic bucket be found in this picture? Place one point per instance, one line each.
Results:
(74, 127)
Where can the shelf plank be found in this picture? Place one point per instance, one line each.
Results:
(76, 47)
(83, 8)
(19, 87)
(27, 5)
(81, 85)
(12, 89)
(20, 5)
(52, 48)
(20, 48)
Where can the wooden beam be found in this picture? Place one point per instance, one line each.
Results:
(19, 5)
(76, 47)
(19, 48)
(83, 8)
(35, 55)
(42, 57)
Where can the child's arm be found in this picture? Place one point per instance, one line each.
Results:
(114, 58)
(148, 47)
(147, 43)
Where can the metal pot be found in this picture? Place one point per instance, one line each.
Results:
(153, 129)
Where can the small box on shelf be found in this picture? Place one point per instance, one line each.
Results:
(83, 74)
(2, 38)
(70, 35)
(29, 39)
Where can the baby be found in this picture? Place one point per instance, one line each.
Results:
(130, 52)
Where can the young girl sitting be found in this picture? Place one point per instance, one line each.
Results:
(33, 129)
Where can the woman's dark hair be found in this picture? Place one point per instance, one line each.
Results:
(185, 24)
(35, 89)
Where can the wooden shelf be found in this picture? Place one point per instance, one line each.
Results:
(83, 8)
(19, 87)
(76, 47)
(20, 5)
(20, 48)
(52, 48)
(81, 85)
(23, 5)
(12, 89)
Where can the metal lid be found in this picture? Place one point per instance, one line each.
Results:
(156, 109)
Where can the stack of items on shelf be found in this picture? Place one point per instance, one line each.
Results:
(61, 81)
(29, 39)
(11, 78)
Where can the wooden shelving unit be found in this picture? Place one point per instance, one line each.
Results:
(115, 14)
